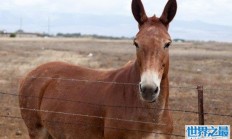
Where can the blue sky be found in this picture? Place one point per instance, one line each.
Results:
(196, 19)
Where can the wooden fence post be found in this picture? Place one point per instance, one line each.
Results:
(200, 104)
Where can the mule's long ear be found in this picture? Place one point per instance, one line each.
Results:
(169, 12)
(138, 11)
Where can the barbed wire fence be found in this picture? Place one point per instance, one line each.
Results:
(198, 89)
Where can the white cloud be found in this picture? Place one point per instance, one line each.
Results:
(28, 3)
(213, 11)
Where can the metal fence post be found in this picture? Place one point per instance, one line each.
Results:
(200, 104)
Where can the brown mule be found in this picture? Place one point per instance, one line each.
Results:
(60, 100)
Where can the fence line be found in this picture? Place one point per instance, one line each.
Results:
(83, 80)
(119, 83)
(91, 125)
(201, 112)
(213, 89)
(84, 115)
(118, 106)
(101, 105)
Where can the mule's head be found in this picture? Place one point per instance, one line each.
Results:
(152, 43)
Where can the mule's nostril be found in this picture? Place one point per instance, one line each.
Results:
(144, 89)
(156, 90)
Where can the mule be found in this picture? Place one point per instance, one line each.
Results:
(126, 103)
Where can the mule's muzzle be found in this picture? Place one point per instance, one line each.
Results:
(149, 92)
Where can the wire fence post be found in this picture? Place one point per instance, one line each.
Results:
(200, 104)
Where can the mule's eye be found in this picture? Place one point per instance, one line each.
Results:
(167, 45)
(136, 44)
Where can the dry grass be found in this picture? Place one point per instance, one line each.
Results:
(208, 64)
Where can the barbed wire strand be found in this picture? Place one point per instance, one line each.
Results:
(173, 110)
(83, 115)
(104, 82)
(101, 105)
(83, 80)
(121, 83)
(91, 125)
(128, 107)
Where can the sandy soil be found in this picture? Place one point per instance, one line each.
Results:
(192, 64)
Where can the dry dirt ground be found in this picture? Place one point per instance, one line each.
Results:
(194, 63)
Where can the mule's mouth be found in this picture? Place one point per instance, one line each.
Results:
(153, 101)
(149, 100)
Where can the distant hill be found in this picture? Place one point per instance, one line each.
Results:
(79, 35)
(117, 25)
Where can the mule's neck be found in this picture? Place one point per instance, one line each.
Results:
(135, 72)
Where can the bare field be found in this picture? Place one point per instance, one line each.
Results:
(192, 64)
